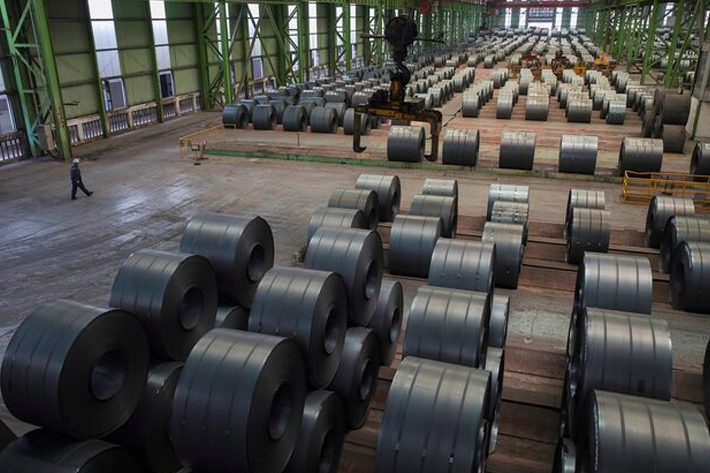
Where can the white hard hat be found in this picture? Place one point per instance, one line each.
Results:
(76, 161)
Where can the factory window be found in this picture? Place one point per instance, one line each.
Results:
(104, 32)
(7, 119)
(257, 63)
(354, 36)
(573, 21)
(313, 33)
(167, 85)
(162, 48)
(508, 17)
(293, 35)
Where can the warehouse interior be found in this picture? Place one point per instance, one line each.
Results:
(369, 236)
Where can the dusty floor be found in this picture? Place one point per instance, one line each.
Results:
(145, 192)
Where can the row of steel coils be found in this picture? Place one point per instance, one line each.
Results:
(209, 358)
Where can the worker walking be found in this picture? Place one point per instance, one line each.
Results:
(76, 182)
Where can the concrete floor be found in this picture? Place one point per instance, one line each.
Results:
(145, 192)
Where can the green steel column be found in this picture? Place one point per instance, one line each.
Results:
(304, 46)
(427, 30)
(44, 39)
(379, 43)
(648, 51)
(226, 54)
(246, 44)
(515, 18)
(202, 56)
(157, 91)
(331, 40)
(347, 37)
(679, 13)
(450, 25)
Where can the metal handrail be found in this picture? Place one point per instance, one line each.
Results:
(639, 188)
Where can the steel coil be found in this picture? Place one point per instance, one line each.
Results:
(337, 96)
(448, 325)
(264, 117)
(517, 150)
(616, 114)
(458, 264)
(509, 247)
(357, 256)
(579, 111)
(324, 120)
(336, 217)
(318, 102)
(619, 352)
(678, 230)
(76, 369)
(498, 324)
(589, 230)
(232, 316)
(47, 452)
(471, 105)
(506, 193)
(504, 106)
(428, 100)
(250, 105)
(647, 125)
(706, 380)
(438, 207)
(349, 123)
(387, 321)
(578, 154)
(675, 109)
(320, 439)
(356, 378)
(405, 143)
(640, 155)
(690, 277)
(389, 193)
(536, 107)
(627, 433)
(236, 116)
(660, 210)
(364, 200)
(565, 460)
(295, 118)
(431, 433)
(673, 137)
(583, 199)
(240, 249)
(340, 108)
(700, 161)
(461, 147)
(147, 431)
(412, 242)
(279, 107)
(309, 307)
(256, 431)
(614, 282)
(495, 364)
(441, 187)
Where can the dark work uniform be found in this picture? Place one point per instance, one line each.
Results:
(75, 176)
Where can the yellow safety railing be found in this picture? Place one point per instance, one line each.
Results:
(199, 139)
(640, 187)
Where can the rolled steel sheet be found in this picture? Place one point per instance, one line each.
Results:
(43, 451)
(147, 431)
(509, 248)
(506, 193)
(690, 277)
(389, 193)
(250, 105)
(264, 117)
(495, 364)
(579, 111)
(423, 431)
(236, 116)
(349, 123)
(309, 307)
(428, 100)
(536, 107)
(437, 206)
(412, 242)
(614, 282)
(321, 437)
(340, 108)
(583, 199)
(678, 230)
(471, 105)
(336, 217)
(647, 125)
(504, 106)
(700, 161)
(264, 382)
(356, 255)
(706, 380)
(626, 433)
(618, 352)
(318, 102)
(232, 316)
(461, 147)
(565, 460)
(76, 369)
(673, 137)
(589, 231)
(279, 107)
(675, 109)
(240, 249)
(458, 264)
(498, 324)
(448, 325)
(578, 154)
(387, 321)
(441, 187)
(616, 115)
(335, 96)
(640, 155)
(517, 150)
(324, 120)
(356, 378)
(364, 200)
(295, 118)
(660, 210)
(405, 143)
